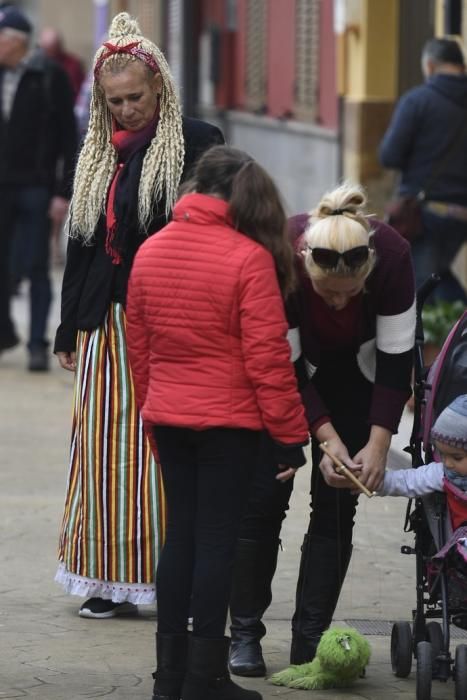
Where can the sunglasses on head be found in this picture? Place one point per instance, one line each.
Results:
(329, 259)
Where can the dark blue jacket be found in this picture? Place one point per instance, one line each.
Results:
(423, 125)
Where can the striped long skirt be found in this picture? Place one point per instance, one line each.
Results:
(114, 519)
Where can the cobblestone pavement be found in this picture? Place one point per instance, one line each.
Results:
(48, 653)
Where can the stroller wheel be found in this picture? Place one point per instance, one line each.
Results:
(424, 670)
(460, 672)
(401, 649)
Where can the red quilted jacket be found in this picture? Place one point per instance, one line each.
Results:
(207, 331)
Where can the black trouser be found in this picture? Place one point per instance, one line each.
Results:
(347, 394)
(206, 479)
(268, 499)
(25, 233)
(327, 546)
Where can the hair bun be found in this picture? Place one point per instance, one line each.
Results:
(346, 199)
(124, 25)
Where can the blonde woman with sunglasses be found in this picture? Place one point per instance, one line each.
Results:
(352, 327)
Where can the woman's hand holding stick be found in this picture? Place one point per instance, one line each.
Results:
(345, 471)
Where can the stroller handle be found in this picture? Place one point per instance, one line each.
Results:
(423, 292)
(425, 289)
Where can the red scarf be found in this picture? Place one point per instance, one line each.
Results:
(125, 143)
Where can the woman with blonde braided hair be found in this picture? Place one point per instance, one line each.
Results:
(137, 151)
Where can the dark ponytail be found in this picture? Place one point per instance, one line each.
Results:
(255, 205)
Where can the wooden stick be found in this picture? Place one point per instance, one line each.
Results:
(342, 469)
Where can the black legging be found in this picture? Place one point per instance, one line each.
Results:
(347, 394)
(206, 476)
(268, 498)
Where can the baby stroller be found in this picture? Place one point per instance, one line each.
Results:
(441, 593)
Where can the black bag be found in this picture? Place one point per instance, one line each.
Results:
(405, 215)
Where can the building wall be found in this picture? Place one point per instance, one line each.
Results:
(302, 158)
(370, 45)
(74, 22)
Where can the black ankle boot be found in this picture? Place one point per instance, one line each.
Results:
(323, 566)
(255, 565)
(207, 677)
(172, 652)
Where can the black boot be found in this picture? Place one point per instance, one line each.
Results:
(255, 565)
(323, 566)
(207, 677)
(172, 652)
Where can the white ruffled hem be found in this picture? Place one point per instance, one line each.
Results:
(116, 591)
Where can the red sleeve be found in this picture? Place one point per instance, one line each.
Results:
(266, 350)
(137, 333)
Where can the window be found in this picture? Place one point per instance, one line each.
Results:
(255, 71)
(307, 58)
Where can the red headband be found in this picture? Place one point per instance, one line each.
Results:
(133, 49)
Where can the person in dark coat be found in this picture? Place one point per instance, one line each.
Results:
(137, 150)
(427, 143)
(351, 331)
(38, 143)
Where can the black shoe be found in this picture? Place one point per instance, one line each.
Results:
(171, 652)
(323, 566)
(246, 659)
(207, 677)
(38, 360)
(255, 565)
(303, 650)
(101, 609)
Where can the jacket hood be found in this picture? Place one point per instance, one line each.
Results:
(453, 87)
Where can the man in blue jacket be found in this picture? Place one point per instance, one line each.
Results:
(427, 142)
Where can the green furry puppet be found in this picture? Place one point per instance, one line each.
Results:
(340, 659)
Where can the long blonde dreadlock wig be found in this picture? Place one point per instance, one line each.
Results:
(163, 163)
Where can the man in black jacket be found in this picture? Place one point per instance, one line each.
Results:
(38, 145)
(427, 142)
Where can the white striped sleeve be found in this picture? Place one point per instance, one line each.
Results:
(396, 334)
(293, 336)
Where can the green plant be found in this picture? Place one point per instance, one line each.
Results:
(439, 318)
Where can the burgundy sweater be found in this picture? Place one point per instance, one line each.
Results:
(378, 326)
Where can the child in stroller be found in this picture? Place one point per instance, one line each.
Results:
(439, 522)
(449, 438)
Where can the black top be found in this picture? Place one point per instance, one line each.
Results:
(91, 280)
(38, 143)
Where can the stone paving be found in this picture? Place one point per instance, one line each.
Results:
(48, 653)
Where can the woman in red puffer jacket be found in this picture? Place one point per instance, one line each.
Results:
(212, 371)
